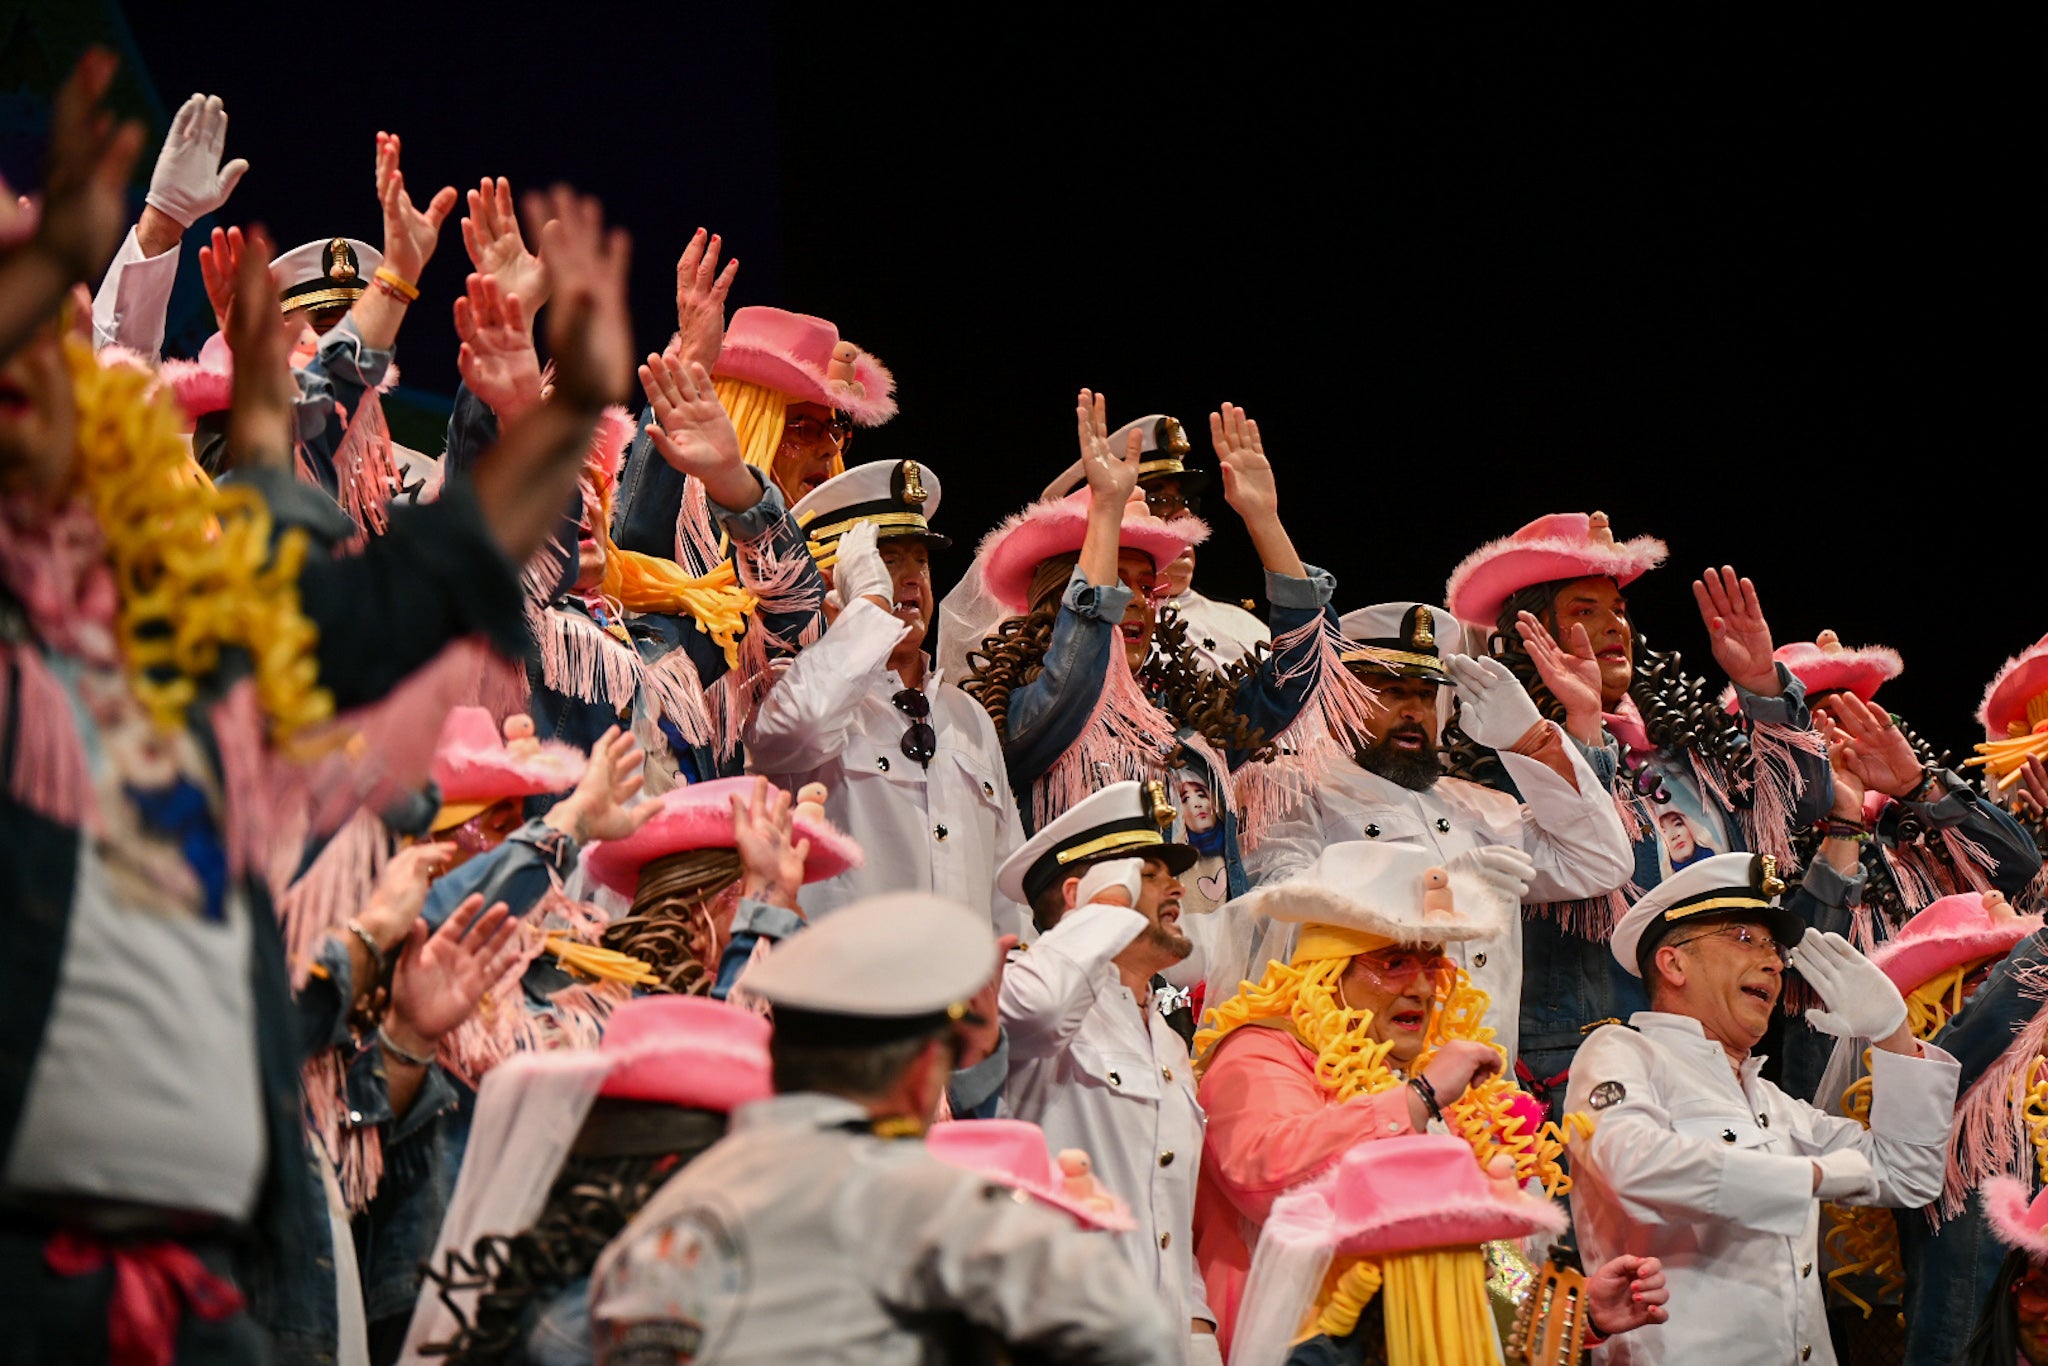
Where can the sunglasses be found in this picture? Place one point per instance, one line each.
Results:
(1166, 503)
(838, 429)
(920, 742)
(1401, 967)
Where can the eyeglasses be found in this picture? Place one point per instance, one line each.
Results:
(920, 742)
(838, 429)
(1402, 966)
(1752, 937)
(1168, 501)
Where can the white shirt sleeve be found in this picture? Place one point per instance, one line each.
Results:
(1912, 1103)
(134, 299)
(1049, 989)
(1575, 836)
(804, 720)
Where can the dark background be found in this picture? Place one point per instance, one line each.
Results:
(1771, 292)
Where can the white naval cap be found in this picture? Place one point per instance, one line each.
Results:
(887, 966)
(1163, 450)
(1408, 639)
(1123, 820)
(1738, 886)
(1402, 892)
(898, 496)
(330, 273)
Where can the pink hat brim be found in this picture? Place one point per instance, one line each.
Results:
(1913, 962)
(1010, 555)
(2024, 677)
(870, 404)
(2008, 1204)
(1486, 578)
(494, 775)
(1463, 1223)
(680, 1051)
(1860, 671)
(700, 817)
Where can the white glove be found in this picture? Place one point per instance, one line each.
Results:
(1497, 709)
(1862, 1002)
(858, 572)
(1845, 1177)
(1505, 868)
(1119, 874)
(189, 182)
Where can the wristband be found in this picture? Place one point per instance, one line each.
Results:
(1834, 829)
(1928, 778)
(1421, 1087)
(396, 283)
(395, 1051)
(377, 957)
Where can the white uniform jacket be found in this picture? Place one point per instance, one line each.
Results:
(942, 829)
(1100, 1071)
(802, 1237)
(134, 298)
(1574, 836)
(1714, 1175)
(1219, 633)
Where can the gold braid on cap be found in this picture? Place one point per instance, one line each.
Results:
(193, 563)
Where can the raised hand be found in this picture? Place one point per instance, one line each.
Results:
(1247, 474)
(1848, 778)
(701, 288)
(220, 261)
(602, 806)
(85, 204)
(1459, 1065)
(410, 234)
(260, 429)
(693, 433)
(771, 857)
(590, 337)
(490, 234)
(1736, 626)
(1864, 741)
(1111, 474)
(2035, 776)
(189, 180)
(441, 978)
(401, 892)
(1497, 710)
(1571, 673)
(1627, 1293)
(497, 359)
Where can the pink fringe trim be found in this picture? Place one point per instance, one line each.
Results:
(365, 468)
(1126, 737)
(356, 1151)
(1989, 1137)
(1336, 711)
(51, 775)
(506, 1024)
(1779, 784)
(699, 547)
(1593, 918)
(334, 889)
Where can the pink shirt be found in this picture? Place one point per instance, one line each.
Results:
(1271, 1127)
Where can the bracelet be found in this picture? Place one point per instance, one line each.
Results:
(395, 1051)
(396, 283)
(1421, 1087)
(1837, 829)
(1928, 778)
(376, 954)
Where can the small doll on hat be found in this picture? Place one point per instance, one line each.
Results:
(593, 1134)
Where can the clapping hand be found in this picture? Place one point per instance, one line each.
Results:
(701, 288)
(1740, 635)
(401, 892)
(260, 427)
(497, 359)
(1497, 710)
(693, 433)
(1627, 1293)
(189, 180)
(1864, 743)
(490, 234)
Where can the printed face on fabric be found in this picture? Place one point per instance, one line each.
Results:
(674, 1297)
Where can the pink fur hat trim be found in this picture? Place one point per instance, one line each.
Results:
(1394, 1195)
(2024, 677)
(1948, 933)
(1011, 553)
(797, 355)
(2018, 1221)
(688, 1051)
(1563, 545)
(700, 817)
(1013, 1152)
(472, 762)
(207, 385)
(1826, 665)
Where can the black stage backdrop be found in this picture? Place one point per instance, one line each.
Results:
(1772, 293)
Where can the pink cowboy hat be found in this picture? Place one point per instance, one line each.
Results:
(1013, 1153)
(1948, 933)
(474, 766)
(688, 1051)
(2024, 678)
(1011, 553)
(1564, 545)
(1395, 1195)
(2017, 1221)
(1824, 664)
(700, 817)
(801, 356)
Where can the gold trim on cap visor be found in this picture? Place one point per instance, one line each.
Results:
(322, 298)
(913, 520)
(1376, 654)
(1718, 903)
(1151, 467)
(1112, 843)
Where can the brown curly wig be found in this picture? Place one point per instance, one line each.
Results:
(666, 928)
(1195, 697)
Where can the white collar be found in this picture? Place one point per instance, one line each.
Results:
(1663, 1022)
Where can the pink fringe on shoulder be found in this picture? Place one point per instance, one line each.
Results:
(1126, 737)
(50, 774)
(365, 468)
(332, 891)
(1767, 820)
(1592, 918)
(1335, 712)
(1989, 1137)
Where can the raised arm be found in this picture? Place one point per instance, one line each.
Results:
(1111, 477)
(410, 236)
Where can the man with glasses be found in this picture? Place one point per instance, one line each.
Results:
(911, 765)
(1697, 1160)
